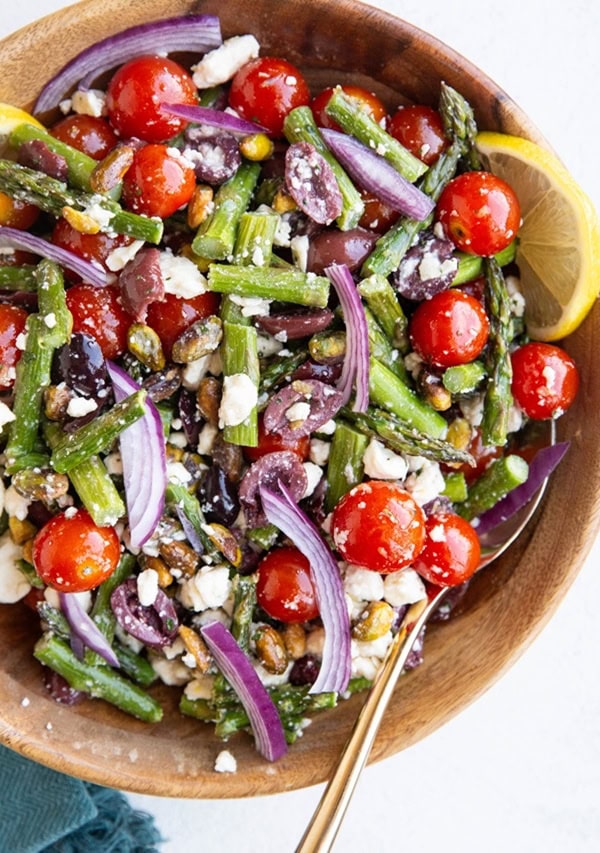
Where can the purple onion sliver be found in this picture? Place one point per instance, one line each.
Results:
(144, 462)
(282, 511)
(84, 629)
(190, 531)
(239, 672)
(542, 465)
(375, 174)
(195, 33)
(213, 118)
(356, 363)
(90, 273)
(77, 646)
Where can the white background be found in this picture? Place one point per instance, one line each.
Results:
(519, 770)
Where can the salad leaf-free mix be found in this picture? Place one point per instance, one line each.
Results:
(263, 358)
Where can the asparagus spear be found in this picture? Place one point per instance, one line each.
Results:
(53, 196)
(240, 356)
(18, 278)
(345, 466)
(300, 126)
(470, 267)
(215, 238)
(270, 283)
(101, 611)
(456, 487)
(101, 682)
(463, 378)
(356, 122)
(501, 477)
(498, 396)
(379, 295)
(254, 242)
(279, 370)
(389, 392)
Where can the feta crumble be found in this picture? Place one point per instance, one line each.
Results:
(240, 396)
(220, 65)
(181, 276)
(383, 464)
(147, 587)
(225, 762)
(80, 406)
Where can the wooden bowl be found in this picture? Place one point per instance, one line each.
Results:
(507, 606)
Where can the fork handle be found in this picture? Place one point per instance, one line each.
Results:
(327, 818)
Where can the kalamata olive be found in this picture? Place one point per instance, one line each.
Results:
(426, 269)
(301, 408)
(296, 324)
(162, 385)
(415, 656)
(218, 497)
(451, 601)
(215, 156)
(229, 457)
(141, 283)
(81, 365)
(340, 247)
(304, 671)
(59, 688)
(189, 416)
(37, 155)
(311, 183)
(155, 625)
(328, 373)
(267, 472)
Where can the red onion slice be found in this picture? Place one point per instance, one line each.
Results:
(144, 462)
(194, 33)
(356, 363)
(237, 669)
(542, 465)
(375, 174)
(90, 273)
(84, 627)
(282, 511)
(213, 118)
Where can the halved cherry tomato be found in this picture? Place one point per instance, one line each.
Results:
(271, 442)
(284, 588)
(172, 315)
(420, 129)
(158, 182)
(17, 214)
(90, 247)
(72, 554)
(90, 134)
(379, 526)
(12, 324)
(367, 101)
(377, 216)
(480, 213)
(136, 92)
(545, 380)
(451, 552)
(483, 454)
(98, 312)
(266, 89)
(450, 328)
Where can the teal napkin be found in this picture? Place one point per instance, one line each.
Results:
(42, 810)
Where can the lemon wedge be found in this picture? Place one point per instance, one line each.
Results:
(11, 117)
(559, 241)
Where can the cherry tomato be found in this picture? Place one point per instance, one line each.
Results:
(72, 554)
(448, 329)
(90, 134)
(420, 129)
(90, 247)
(158, 182)
(379, 526)
(271, 442)
(12, 324)
(284, 588)
(377, 216)
(98, 312)
(136, 92)
(367, 101)
(480, 213)
(545, 380)
(17, 214)
(266, 89)
(452, 551)
(172, 315)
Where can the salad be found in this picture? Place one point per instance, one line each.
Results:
(263, 361)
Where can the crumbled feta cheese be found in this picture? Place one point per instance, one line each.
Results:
(171, 672)
(13, 584)
(299, 246)
(371, 648)
(181, 276)
(51, 596)
(517, 300)
(50, 320)
(362, 584)
(200, 687)
(114, 463)
(383, 464)
(15, 504)
(426, 484)
(121, 256)
(206, 439)
(101, 216)
(313, 477)
(403, 587)
(225, 762)
(89, 103)
(220, 65)
(328, 428)
(6, 415)
(178, 473)
(515, 419)
(268, 345)
(298, 411)
(431, 267)
(147, 587)
(269, 679)
(252, 306)
(239, 398)
(283, 233)
(126, 639)
(194, 372)
(319, 451)
(365, 667)
(413, 363)
(80, 406)
(21, 340)
(173, 651)
(177, 439)
(472, 409)
(210, 587)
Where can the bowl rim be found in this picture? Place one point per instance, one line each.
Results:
(293, 773)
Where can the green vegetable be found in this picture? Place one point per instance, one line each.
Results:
(389, 392)
(498, 395)
(501, 477)
(289, 285)
(240, 356)
(215, 238)
(345, 466)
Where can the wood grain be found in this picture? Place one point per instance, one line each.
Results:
(506, 607)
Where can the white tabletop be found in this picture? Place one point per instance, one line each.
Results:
(519, 770)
